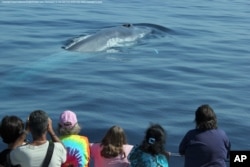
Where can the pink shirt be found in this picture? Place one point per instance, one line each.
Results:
(99, 161)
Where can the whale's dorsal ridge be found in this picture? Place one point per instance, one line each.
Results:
(111, 37)
(127, 25)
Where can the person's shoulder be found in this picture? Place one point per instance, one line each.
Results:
(58, 145)
(4, 152)
(221, 132)
(95, 149)
(19, 150)
(128, 146)
(95, 145)
(76, 136)
(163, 159)
(192, 132)
(21, 147)
(136, 150)
(80, 137)
(84, 137)
(59, 148)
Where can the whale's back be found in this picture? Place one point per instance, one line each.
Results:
(110, 37)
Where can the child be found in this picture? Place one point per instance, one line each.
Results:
(151, 153)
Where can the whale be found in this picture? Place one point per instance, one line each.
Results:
(106, 38)
(113, 37)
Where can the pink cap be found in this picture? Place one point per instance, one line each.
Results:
(68, 119)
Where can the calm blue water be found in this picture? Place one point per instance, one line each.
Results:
(205, 60)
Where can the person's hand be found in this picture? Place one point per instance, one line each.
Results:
(52, 133)
(50, 127)
(27, 127)
(22, 137)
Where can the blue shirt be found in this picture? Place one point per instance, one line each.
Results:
(205, 148)
(138, 158)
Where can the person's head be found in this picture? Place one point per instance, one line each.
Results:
(154, 140)
(68, 124)
(113, 142)
(38, 123)
(11, 128)
(205, 118)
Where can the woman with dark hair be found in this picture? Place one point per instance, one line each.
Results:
(113, 149)
(151, 153)
(11, 130)
(206, 145)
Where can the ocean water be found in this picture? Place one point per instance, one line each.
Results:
(203, 60)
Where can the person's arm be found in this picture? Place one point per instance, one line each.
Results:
(51, 132)
(183, 145)
(227, 145)
(21, 139)
(167, 154)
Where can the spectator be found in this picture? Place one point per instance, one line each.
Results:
(78, 153)
(12, 133)
(113, 149)
(34, 153)
(206, 145)
(151, 153)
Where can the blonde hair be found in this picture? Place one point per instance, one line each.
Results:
(112, 143)
(69, 131)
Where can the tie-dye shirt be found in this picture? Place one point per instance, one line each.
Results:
(78, 153)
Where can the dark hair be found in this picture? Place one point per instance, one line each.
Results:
(112, 143)
(11, 128)
(154, 140)
(205, 118)
(38, 123)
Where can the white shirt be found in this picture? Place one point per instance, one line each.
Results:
(33, 156)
